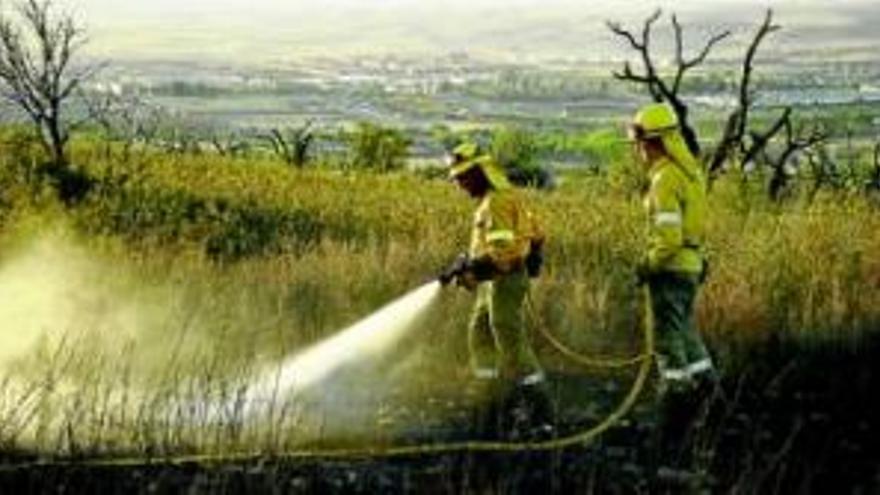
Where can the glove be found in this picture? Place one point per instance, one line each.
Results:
(476, 271)
(535, 260)
(468, 272)
(454, 270)
(482, 269)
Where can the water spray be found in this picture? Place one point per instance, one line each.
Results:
(365, 340)
(322, 371)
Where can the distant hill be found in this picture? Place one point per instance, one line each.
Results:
(261, 32)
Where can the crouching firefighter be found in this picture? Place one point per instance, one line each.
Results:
(505, 251)
(674, 266)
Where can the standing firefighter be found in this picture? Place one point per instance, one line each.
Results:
(505, 251)
(674, 265)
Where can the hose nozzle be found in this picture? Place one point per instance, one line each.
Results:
(454, 270)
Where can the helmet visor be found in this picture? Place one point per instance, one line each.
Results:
(636, 132)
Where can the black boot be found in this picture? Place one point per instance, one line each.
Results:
(488, 409)
(529, 413)
(682, 417)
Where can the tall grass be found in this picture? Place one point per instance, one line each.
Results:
(225, 265)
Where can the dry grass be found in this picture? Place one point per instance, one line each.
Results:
(225, 265)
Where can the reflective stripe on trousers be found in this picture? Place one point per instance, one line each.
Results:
(688, 372)
(681, 353)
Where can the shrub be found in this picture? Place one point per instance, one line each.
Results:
(516, 150)
(374, 147)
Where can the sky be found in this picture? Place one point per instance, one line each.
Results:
(275, 29)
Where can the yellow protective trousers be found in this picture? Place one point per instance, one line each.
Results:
(497, 336)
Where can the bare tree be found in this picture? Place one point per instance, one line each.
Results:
(735, 132)
(230, 143)
(124, 118)
(877, 164)
(292, 144)
(739, 135)
(796, 141)
(874, 181)
(37, 48)
(825, 170)
(665, 89)
(102, 107)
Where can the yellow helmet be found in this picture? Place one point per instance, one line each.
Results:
(659, 121)
(653, 121)
(463, 158)
(468, 155)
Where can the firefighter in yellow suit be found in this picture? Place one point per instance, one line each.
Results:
(505, 250)
(674, 265)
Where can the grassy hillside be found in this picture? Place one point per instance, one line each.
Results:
(180, 274)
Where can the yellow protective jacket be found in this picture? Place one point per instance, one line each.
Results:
(504, 230)
(676, 206)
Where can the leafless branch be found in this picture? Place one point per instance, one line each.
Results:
(37, 46)
(802, 139)
(738, 120)
(229, 144)
(745, 97)
(874, 181)
(293, 144)
(643, 47)
(759, 140)
(877, 159)
(795, 141)
(685, 65)
(659, 88)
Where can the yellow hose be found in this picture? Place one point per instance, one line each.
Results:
(582, 359)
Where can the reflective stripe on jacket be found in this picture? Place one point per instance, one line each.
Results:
(504, 230)
(676, 206)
